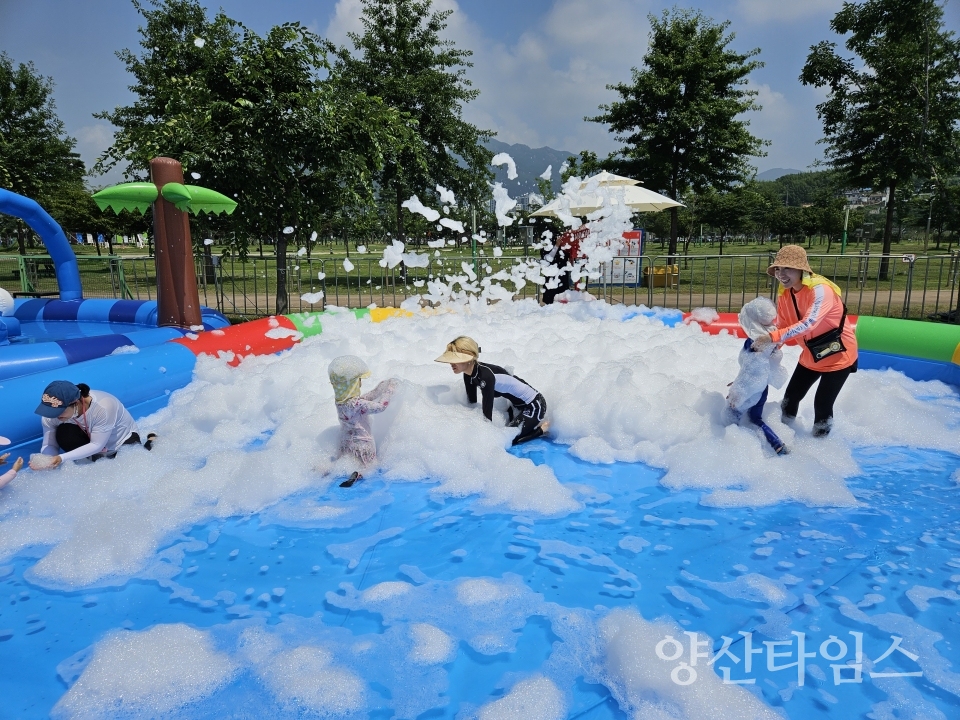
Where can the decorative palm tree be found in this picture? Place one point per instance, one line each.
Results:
(178, 300)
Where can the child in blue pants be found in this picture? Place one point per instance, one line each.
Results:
(758, 370)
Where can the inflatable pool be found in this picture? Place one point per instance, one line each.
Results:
(646, 562)
(41, 335)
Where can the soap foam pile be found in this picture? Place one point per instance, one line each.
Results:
(303, 666)
(238, 440)
(464, 287)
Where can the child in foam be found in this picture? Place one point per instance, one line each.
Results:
(528, 408)
(354, 410)
(10, 474)
(81, 423)
(759, 368)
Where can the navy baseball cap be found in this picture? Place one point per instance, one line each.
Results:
(56, 397)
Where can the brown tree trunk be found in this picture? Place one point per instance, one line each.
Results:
(21, 245)
(96, 244)
(674, 231)
(178, 299)
(888, 232)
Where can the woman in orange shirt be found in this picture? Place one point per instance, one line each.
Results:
(809, 309)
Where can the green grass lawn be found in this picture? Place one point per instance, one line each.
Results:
(705, 278)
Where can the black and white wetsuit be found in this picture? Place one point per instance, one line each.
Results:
(529, 408)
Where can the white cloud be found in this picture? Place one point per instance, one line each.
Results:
(792, 128)
(763, 11)
(93, 140)
(538, 89)
(346, 18)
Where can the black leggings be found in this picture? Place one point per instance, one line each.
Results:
(71, 436)
(830, 385)
(528, 418)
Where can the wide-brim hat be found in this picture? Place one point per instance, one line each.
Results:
(790, 256)
(451, 356)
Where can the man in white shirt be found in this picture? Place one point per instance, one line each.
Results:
(82, 423)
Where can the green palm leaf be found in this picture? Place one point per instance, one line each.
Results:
(127, 196)
(210, 201)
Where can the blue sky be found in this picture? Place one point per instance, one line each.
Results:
(541, 65)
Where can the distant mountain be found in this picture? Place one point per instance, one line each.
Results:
(776, 173)
(531, 162)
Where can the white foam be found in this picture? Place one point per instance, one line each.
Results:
(431, 645)
(536, 698)
(480, 591)
(633, 544)
(705, 315)
(625, 391)
(505, 159)
(414, 205)
(306, 677)
(921, 595)
(131, 673)
(642, 685)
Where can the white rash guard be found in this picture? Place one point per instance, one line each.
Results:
(107, 422)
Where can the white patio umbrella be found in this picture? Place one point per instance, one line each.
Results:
(608, 179)
(635, 197)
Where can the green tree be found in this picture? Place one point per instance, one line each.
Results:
(678, 118)
(785, 221)
(893, 109)
(584, 165)
(731, 211)
(262, 119)
(401, 58)
(36, 156)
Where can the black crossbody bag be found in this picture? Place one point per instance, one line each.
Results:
(828, 343)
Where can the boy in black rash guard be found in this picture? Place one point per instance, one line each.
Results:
(528, 408)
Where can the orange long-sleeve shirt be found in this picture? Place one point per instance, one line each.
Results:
(820, 310)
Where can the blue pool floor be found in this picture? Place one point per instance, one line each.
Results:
(772, 571)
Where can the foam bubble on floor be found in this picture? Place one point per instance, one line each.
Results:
(646, 686)
(535, 698)
(306, 677)
(431, 645)
(620, 386)
(131, 673)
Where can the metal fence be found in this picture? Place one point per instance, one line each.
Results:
(129, 278)
(909, 286)
(916, 287)
(249, 289)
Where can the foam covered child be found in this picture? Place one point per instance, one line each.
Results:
(354, 410)
(9, 475)
(758, 370)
